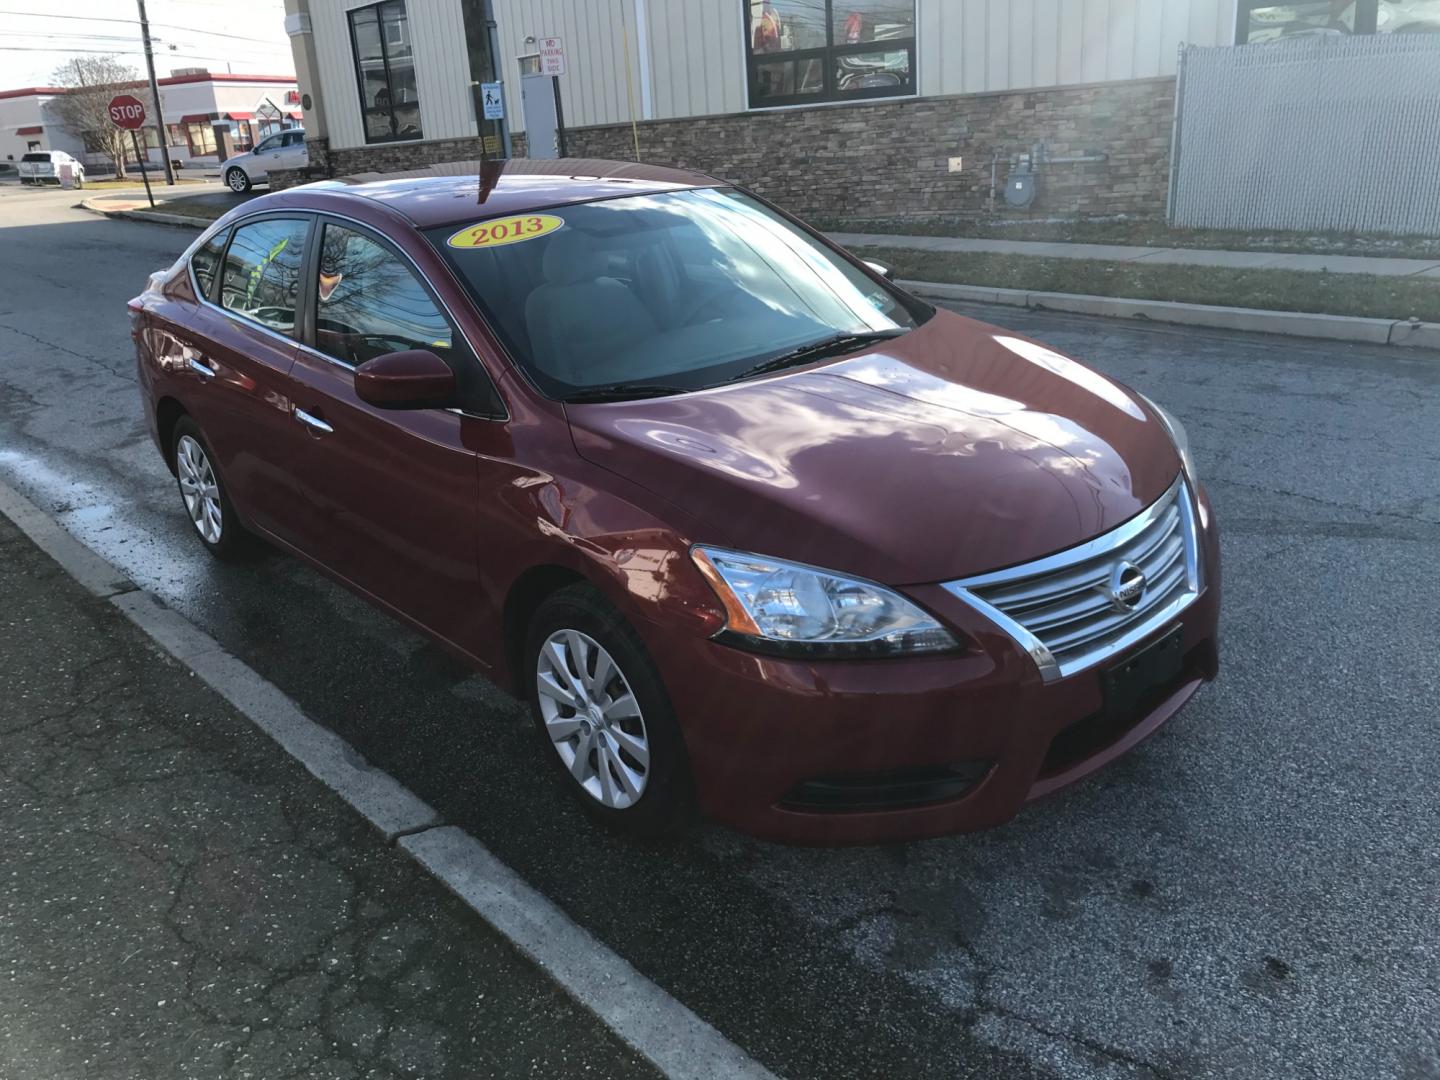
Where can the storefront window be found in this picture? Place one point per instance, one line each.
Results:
(201, 138)
(385, 70)
(1260, 21)
(804, 51)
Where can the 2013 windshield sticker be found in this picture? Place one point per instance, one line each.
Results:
(510, 230)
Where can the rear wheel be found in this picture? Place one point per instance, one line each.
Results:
(204, 497)
(599, 703)
(237, 181)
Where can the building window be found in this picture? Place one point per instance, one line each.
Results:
(177, 134)
(1261, 20)
(201, 138)
(804, 51)
(385, 69)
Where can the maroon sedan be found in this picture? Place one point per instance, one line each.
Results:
(755, 531)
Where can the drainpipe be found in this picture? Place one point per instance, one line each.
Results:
(642, 47)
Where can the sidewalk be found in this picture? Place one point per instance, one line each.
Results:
(1239, 260)
(179, 898)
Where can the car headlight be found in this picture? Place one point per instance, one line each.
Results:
(790, 608)
(1181, 440)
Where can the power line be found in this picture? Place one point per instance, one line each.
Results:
(131, 22)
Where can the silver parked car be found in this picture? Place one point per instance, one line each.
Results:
(283, 150)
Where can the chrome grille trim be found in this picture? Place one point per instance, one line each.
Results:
(1057, 608)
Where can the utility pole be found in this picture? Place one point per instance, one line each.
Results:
(155, 94)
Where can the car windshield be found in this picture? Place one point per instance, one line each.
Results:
(679, 290)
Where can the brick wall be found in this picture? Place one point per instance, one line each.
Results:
(890, 159)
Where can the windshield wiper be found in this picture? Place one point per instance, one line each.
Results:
(623, 392)
(816, 350)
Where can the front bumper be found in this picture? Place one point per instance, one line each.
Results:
(760, 729)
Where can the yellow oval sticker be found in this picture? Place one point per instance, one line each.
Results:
(508, 230)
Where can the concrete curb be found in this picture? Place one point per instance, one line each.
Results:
(662, 1029)
(1400, 332)
(155, 216)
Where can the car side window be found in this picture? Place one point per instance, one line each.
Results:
(293, 138)
(268, 143)
(369, 302)
(262, 272)
(206, 261)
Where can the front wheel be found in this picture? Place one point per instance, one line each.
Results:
(599, 703)
(203, 494)
(237, 181)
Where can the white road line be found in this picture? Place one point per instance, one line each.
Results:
(664, 1031)
(673, 1038)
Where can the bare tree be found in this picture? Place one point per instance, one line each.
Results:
(90, 82)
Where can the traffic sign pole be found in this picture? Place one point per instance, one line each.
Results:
(139, 157)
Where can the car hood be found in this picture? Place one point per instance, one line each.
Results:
(955, 449)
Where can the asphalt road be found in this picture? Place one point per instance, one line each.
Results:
(1253, 893)
(186, 902)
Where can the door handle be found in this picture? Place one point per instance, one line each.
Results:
(314, 423)
(200, 367)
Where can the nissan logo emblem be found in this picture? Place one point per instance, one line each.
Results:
(1126, 586)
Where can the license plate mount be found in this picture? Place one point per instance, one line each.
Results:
(1130, 682)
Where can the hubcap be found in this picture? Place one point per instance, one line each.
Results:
(198, 488)
(592, 718)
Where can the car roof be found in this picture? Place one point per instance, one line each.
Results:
(462, 191)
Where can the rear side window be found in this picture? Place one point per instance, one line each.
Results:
(262, 272)
(369, 303)
(206, 262)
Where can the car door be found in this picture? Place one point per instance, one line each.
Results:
(292, 153)
(264, 157)
(235, 352)
(392, 493)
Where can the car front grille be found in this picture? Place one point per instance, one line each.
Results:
(1074, 609)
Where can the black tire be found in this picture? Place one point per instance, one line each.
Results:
(234, 542)
(234, 175)
(666, 805)
(79, 182)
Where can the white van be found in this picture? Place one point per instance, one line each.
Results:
(43, 167)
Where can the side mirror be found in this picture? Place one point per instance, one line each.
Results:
(880, 268)
(414, 379)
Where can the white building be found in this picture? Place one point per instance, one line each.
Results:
(27, 123)
(952, 92)
(194, 102)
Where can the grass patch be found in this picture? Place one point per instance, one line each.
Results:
(200, 207)
(1273, 290)
(1149, 232)
(158, 183)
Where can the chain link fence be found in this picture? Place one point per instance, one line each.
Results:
(1311, 133)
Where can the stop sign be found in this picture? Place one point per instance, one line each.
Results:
(127, 112)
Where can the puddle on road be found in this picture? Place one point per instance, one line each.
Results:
(90, 513)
